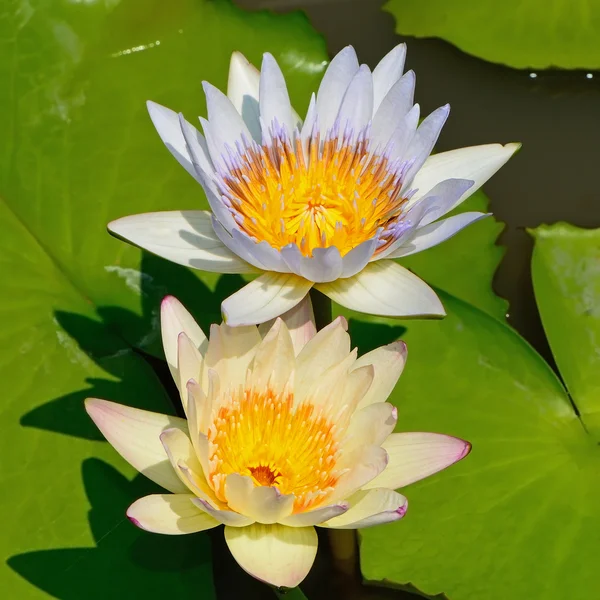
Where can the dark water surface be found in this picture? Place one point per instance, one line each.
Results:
(556, 115)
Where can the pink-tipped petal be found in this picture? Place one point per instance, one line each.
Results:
(369, 508)
(169, 514)
(414, 456)
(135, 435)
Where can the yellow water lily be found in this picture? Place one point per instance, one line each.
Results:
(328, 201)
(286, 428)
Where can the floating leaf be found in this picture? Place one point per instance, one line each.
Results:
(517, 33)
(518, 518)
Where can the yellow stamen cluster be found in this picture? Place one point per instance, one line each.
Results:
(262, 435)
(341, 195)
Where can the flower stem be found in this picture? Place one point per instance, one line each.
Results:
(290, 594)
(321, 307)
(342, 542)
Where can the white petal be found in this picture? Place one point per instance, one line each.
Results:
(226, 124)
(183, 237)
(370, 426)
(385, 288)
(261, 255)
(309, 125)
(402, 136)
(168, 126)
(477, 163)
(414, 456)
(364, 468)
(388, 362)
(274, 100)
(356, 109)
(387, 73)
(438, 201)
(170, 514)
(324, 265)
(423, 142)
(135, 435)
(436, 233)
(300, 322)
(279, 555)
(267, 297)
(369, 508)
(316, 516)
(243, 89)
(225, 516)
(174, 319)
(358, 258)
(275, 359)
(260, 503)
(333, 86)
(393, 109)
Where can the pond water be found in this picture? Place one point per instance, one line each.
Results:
(555, 114)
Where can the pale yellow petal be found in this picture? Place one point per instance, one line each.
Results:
(225, 516)
(170, 514)
(369, 508)
(388, 362)
(189, 362)
(278, 555)
(260, 503)
(414, 456)
(300, 322)
(135, 435)
(275, 359)
(370, 426)
(230, 352)
(174, 319)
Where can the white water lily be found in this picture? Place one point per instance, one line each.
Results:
(325, 202)
(283, 432)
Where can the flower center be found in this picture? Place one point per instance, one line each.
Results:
(263, 435)
(341, 195)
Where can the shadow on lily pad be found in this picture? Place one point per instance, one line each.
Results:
(128, 563)
(108, 342)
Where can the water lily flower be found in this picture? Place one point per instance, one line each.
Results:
(282, 433)
(325, 202)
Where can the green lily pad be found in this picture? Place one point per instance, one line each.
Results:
(517, 33)
(54, 352)
(519, 517)
(464, 265)
(78, 150)
(566, 280)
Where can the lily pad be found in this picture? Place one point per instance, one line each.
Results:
(566, 280)
(517, 33)
(78, 150)
(519, 517)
